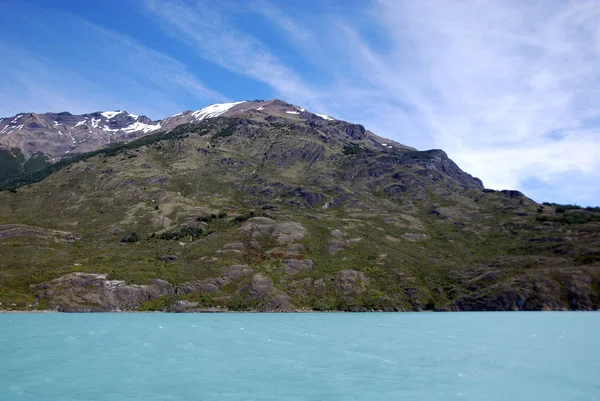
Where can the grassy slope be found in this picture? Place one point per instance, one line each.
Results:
(89, 206)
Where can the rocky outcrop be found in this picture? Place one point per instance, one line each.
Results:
(21, 230)
(492, 291)
(531, 292)
(283, 233)
(295, 266)
(87, 292)
(58, 134)
(268, 298)
(350, 282)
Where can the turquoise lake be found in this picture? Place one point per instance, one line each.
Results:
(308, 356)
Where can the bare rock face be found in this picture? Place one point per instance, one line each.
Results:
(260, 286)
(294, 250)
(86, 292)
(269, 298)
(236, 272)
(350, 282)
(209, 285)
(294, 266)
(58, 134)
(335, 246)
(214, 284)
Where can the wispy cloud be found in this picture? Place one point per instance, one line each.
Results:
(218, 40)
(107, 70)
(493, 80)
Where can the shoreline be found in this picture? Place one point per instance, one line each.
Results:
(14, 312)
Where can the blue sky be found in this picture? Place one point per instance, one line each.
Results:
(509, 89)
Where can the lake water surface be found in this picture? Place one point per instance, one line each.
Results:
(318, 357)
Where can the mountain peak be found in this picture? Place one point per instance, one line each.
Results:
(111, 114)
(214, 110)
(59, 134)
(253, 108)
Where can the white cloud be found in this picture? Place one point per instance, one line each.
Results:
(493, 79)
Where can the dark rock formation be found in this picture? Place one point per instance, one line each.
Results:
(86, 292)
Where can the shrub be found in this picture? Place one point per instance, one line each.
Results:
(133, 237)
(183, 233)
(352, 149)
(225, 132)
(571, 218)
(222, 215)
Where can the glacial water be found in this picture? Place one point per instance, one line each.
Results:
(317, 357)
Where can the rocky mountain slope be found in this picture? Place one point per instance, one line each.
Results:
(58, 134)
(266, 206)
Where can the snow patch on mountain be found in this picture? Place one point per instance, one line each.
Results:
(138, 126)
(111, 114)
(292, 112)
(214, 110)
(325, 117)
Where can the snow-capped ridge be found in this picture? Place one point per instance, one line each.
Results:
(138, 126)
(325, 117)
(111, 114)
(214, 110)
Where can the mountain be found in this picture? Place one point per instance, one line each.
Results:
(56, 135)
(263, 205)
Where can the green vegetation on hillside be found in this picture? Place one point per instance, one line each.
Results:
(245, 214)
(36, 170)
